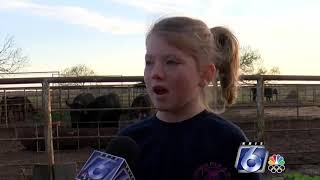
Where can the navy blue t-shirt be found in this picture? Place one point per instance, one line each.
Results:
(200, 148)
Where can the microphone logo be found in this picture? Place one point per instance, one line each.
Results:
(251, 158)
(104, 166)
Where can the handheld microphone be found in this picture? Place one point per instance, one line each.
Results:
(122, 152)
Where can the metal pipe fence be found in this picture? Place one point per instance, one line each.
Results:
(292, 116)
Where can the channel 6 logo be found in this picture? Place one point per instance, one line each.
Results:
(252, 158)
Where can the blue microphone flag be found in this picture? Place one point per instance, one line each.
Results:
(104, 166)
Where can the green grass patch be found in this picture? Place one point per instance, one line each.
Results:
(299, 176)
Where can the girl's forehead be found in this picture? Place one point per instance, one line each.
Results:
(156, 45)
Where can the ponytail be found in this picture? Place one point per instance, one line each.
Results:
(226, 60)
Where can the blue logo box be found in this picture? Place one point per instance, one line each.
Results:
(100, 166)
(251, 158)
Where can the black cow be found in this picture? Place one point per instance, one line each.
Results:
(80, 102)
(268, 93)
(142, 100)
(18, 106)
(105, 118)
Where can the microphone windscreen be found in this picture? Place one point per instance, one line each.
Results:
(124, 147)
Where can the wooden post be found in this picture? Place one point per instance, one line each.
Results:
(305, 94)
(260, 109)
(25, 106)
(68, 96)
(37, 103)
(313, 95)
(37, 135)
(297, 102)
(242, 92)
(129, 96)
(60, 118)
(6, 108)
(46, 104)
(60, 104)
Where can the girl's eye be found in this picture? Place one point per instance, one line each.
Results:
(148, 60)
(172, 60)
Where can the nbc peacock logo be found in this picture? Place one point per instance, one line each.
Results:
(276, 164)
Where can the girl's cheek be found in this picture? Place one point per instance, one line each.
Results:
(169, 70)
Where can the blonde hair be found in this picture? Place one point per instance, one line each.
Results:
(216, 45)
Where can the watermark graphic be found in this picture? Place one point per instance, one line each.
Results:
(251, 158)
(276, 164)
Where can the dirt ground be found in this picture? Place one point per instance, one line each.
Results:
(300, 148)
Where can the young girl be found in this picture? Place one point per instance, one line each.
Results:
(185, 139)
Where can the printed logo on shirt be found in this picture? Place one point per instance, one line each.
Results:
(211, 171)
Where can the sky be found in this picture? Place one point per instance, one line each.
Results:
(109, 35)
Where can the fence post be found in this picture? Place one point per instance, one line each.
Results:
(6, 114)
(46, 104)
(60, 118)
(25, 106)
(313, 95)
(260, 109)
(37, 103)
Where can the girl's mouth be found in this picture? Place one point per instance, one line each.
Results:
(160, 90)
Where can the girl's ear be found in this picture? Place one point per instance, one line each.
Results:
(207, 75)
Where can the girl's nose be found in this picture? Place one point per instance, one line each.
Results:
(157, 72)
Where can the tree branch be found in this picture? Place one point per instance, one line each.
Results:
(11, 58)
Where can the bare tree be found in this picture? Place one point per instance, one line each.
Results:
(11, 57)
(76, 71)
(274, 71)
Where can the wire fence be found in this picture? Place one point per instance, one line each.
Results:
(286, 117)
